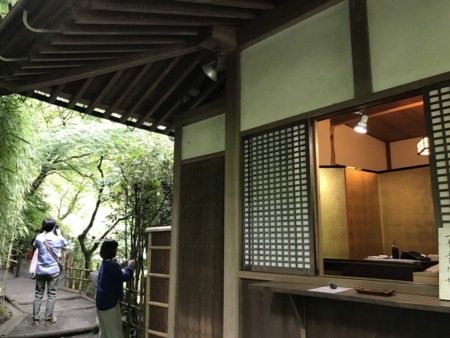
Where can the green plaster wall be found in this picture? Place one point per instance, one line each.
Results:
(409, 40)
(203, 138)
(305, 67)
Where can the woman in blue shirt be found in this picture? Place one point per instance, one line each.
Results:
(47, 269)
(110, 290)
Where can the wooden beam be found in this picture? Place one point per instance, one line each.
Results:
(172, 8)
(170, 89)
(254, 4)
(84, 49)
(22, 73)
(128, 89)
(80, 93)
(106, 67)
(56, 93)
(287, 14)
(172, 107)
(359, 28)
(103, 91)
(205, 93)
(224, 37)
(204, 112)
(61, 40)
(51, 65)
(99, 18)
(149, 90)
(74, 29)
(158, 122)
(70, 57)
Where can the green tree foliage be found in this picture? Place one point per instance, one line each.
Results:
(135, 181)
(17, 156)
(52, 158)
(5, 6)
(83, 156)
(142, 187)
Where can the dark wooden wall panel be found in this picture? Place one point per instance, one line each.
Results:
(159, 290)
(160, 261)
(161, 238)
(352, 319)
(158, 320)
(267, 315)
(200, 271)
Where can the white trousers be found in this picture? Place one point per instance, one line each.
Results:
(110, 322)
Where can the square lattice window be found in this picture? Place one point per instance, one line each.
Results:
(277, 223)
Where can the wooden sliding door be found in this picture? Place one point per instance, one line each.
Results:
(199, 308)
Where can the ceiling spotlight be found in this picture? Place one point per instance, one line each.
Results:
(361, 127)
(211, 68)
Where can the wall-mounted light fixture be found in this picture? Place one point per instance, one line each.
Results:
(361, 127)
(423, 146)
(211, 69)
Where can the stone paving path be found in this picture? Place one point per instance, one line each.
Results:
(75, 312)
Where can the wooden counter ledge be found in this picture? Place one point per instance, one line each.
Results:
(402, 300)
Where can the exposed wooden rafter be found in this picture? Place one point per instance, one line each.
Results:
(254, 4)
(150, 90)
(99, 18)
(107, 67)
(171, 8)
(169, 89)
(135, 62)
(128, 89)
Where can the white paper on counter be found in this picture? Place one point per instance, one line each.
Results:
(327, 289)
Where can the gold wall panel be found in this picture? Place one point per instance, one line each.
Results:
(407, 210)
(363, 213)
(333, 213)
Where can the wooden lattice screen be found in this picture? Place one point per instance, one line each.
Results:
(277, 208)
(437, 117)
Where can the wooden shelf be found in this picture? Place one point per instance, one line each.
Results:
(402, 300)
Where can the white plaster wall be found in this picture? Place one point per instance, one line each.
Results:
(358, 150)
(404, 154)
(203, 138)
(409, 40)
(365, 152)
(305, 67)
(351, 149)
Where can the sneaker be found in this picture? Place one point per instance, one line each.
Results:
(35, 322)
(50, 321)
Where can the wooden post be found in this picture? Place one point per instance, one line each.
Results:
(231, 310)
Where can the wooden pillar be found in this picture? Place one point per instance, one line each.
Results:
(362, 71)
(174, 239)
(231, 313)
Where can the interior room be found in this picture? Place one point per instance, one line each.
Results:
(375, 192)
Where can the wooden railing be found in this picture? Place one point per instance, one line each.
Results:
(78, 278)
